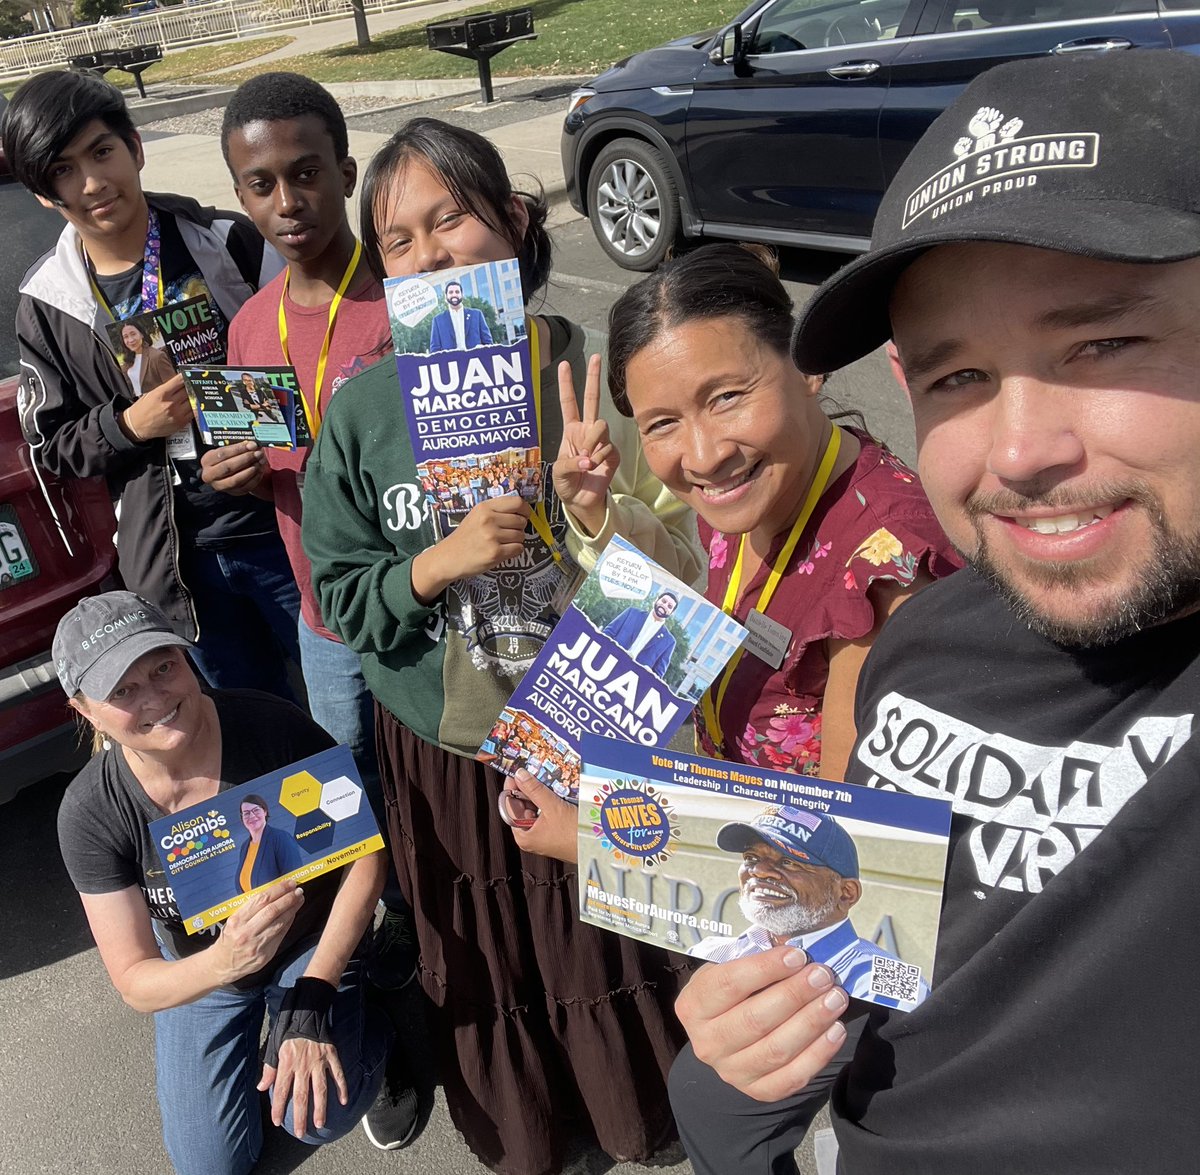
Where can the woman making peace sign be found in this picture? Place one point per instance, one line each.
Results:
(539, 1021)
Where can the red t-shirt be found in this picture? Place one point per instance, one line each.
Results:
(873, 523)
(361, 335)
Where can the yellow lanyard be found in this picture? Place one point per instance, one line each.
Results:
(541, 523)
(313, 411)
(716, 692)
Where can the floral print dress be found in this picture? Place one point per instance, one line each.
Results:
(873, 523)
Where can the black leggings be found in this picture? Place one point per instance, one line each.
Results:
(727, 1133)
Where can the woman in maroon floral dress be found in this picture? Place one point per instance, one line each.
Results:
(814, 525)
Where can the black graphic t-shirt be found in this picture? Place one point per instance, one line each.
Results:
(1060, 1036)
(208, 518)
(103, 820)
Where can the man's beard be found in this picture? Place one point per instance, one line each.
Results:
(789, 921)
(1167, 584)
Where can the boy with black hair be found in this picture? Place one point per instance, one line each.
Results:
(213, 563)
(285, 141)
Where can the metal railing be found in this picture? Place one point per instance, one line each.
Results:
(190, 24)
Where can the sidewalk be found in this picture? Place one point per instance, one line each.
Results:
(314, 38)
(192, 164)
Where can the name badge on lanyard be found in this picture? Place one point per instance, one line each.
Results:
(769, 640)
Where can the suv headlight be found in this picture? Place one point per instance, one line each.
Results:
(578, 98)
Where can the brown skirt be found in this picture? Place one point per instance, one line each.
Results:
(543, 1025)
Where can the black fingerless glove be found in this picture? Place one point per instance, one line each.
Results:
(303, 1014)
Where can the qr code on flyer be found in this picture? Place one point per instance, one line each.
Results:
(895, 979)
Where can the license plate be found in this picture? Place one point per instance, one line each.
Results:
(17, 563)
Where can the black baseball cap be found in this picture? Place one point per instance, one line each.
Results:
(1098, 157)
(102, 636)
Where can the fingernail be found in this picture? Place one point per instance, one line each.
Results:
(836, 1032)
(820, 977)
(796, 959)
(835, 1000)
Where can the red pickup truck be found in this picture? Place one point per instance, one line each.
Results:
(55, 542)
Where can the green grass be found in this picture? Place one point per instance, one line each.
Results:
(186, 64)
(574, 37)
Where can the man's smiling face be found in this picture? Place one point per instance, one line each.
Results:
(1057, 409)
(665, 606)
(787, 897)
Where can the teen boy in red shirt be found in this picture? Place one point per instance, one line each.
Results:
(285, 141)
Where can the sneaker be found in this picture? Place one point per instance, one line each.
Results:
(391, 1121)
(393, 951)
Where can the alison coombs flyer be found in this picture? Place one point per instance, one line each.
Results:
(463, 358)
(630, 659)
(299, 822)
(720, 861)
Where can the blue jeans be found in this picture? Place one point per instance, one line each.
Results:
(248, 604)
(206, 1054)
(340, 701)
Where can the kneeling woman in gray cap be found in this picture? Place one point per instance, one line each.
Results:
(163, 746)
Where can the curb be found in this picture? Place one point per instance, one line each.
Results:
(155, 108)
(413, 89)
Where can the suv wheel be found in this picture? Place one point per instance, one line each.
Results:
(632, 204)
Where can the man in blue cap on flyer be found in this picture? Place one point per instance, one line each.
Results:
(799, 879)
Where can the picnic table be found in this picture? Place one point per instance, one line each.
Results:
(135, 60)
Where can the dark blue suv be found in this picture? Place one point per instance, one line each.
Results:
(787, 125)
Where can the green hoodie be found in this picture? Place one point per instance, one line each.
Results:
(447, 670)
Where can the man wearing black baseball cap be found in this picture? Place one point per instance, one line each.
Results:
(1036, 266)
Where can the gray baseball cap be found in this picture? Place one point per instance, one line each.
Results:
(98, 640)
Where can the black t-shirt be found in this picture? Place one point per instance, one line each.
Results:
(1060, 1037)
(103, 822)
(208, 518)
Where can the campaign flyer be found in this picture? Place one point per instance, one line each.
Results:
(631, 657)
(462, 355)
(151, 347)
(247, 404)
(720, 860)
(300, 821)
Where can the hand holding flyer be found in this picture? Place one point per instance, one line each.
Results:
(150, 348)
(163, 411)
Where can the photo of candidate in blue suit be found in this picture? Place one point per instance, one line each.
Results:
(645, 635)
(442, 334)
(269, 853)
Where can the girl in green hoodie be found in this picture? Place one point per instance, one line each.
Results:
(543, 1025)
